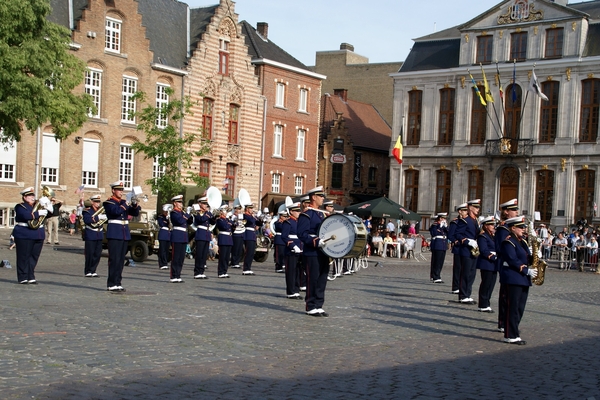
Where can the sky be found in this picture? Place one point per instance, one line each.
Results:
(381, 30)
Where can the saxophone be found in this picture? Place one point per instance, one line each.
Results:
(540, 265)
(46, 194)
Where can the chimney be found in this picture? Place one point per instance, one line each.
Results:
(263, 29)
(346, 46)
(343, 93)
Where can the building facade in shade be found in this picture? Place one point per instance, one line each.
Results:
(353, 150)
(543, 152)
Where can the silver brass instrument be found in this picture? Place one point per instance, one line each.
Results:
(36, 223)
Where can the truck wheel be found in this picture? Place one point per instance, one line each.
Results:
(139, 251)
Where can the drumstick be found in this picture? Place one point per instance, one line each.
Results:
(332, 237)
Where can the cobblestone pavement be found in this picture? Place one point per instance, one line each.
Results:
(391, 334)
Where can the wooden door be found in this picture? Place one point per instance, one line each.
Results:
(509, 184)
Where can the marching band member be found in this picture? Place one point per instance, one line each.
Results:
(508, 210)
(238, 236)
(486, 263)
(462, 210)
(164, 237)
(304, 202)
(29, 241)
(293, 250)
(93, 235)
(179, 237)
(252, 225)
(117, 232)
(328, 207)
(316, 262)
(202, 220)
(466, 234)
(225, 242)
(515, 274)
(439, 245)
(279, 243)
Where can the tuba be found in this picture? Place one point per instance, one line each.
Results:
(540, 265)
(43, 202)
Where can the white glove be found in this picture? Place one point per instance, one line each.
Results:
(539, 253)
(102, 217)
(532, 272)
(322, 244)
(443, 224)
(296, 249)
(472, 243)
(42, 212)
(493, 253)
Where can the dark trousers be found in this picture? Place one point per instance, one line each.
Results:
(279, 256)
(163, 253)
(317, 268)
(93, 252)
(117, 249)
(249, 257)
(177, 257)
(28, 253)
(224, 254)
(488, 281)
(516, 297)
(201, 256)
(502, 304)
(467, 277)
(237, 250)
(455, 271)
(292, 285)
(437, 262)
(301, 268)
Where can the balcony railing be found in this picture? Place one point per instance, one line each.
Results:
(509, 147)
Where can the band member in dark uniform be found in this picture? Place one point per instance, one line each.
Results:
(293, 250)
(304, 202)
(462, 210)
(179, 237)
(93, 235)
(117, 232)
(238, 236)
(202, 220)
(279, 243)
(164, 236)
(466, 234)
(508, 210)
(225, 242)
(486, 263)
(439, 245)
(251, 224)
(315, 261)
(29, 241)
(515, 274)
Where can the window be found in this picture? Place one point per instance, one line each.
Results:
(50, 159)
(544, 195)
(518, 46)
(234, 116)
(475, 184)
(300, 144)
(8, 161)
(112, 35)
(338, 145)
(443, 188)
(298, 184)
(280, 95)
(223, 57)
(411, 190)
(127, 101)
(478, 120)
(415, 98)
(230, 176)
(93, 87)
(276, 183)
(588, 131)
(336, 176)
(372, 182)
(162, 99)
(512, 114)
(303, 100)
(484, 50)
(554, 43)
(126, 165)
(207, 118)
(549, 113)
(446, 131)
(277, 140)
(584, 194)
(204, 168)
(89, 168)
(157, 169)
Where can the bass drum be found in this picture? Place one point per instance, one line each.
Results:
(346, 236)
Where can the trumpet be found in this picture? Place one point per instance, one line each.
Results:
(43, 202)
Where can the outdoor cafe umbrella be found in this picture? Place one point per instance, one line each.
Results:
(382, 207)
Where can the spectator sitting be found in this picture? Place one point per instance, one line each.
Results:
(377, 241)
(410, 245)
(402, 244)
(390, 244)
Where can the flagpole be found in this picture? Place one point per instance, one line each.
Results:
(401, 179)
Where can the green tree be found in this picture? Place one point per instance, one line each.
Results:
(164, 143)
(37, 72)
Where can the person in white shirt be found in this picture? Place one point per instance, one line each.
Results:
(390, 227)
(377, 241)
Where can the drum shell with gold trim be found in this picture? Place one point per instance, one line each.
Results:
(350, 236)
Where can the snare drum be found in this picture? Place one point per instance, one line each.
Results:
(350, 236)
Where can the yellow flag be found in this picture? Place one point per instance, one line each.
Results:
(488, 94)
